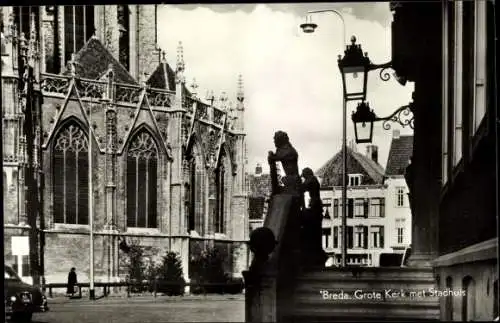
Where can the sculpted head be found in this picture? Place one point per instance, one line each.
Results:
(307, 173)
(280, 139)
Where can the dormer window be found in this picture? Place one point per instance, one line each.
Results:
(355, 179)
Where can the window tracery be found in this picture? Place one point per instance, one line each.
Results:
(142, 174)
(70, 174)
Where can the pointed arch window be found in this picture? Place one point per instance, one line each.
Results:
(220, 197)
(222, 183)
(196, 206)
(142, 171)
(70, 176)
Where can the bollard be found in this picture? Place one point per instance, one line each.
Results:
(128, 289)
(50, 291)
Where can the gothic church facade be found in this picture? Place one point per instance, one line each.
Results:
(164, 169)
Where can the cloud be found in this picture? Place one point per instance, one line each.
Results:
(292, 81)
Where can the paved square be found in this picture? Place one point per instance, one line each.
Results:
(144, 309)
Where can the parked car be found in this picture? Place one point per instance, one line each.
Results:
(21, 299)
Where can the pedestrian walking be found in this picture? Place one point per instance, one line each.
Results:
(72, 281)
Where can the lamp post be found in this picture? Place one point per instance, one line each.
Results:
(309, 27)
(91, 211)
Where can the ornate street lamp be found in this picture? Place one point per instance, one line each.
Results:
(364, 118)
(354, 67)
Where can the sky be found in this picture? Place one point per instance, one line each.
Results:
(291, 79)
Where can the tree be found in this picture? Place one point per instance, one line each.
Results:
(170, 275)
(136, 267)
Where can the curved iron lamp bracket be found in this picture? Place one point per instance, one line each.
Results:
(384, 75)
(403, 116)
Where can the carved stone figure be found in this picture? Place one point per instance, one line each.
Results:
(312, 217)
(288, 156)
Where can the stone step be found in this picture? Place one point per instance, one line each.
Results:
(367, 311)
(368, 299)
(329, 294)
(370, 273)
(426, 286)
(359, 318)
(361, 296)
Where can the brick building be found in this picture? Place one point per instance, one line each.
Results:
(378, 212)
(167, 170)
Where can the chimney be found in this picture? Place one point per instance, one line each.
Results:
(258, 170)
(372, 152)
(395, 134)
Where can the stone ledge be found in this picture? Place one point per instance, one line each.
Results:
(482, 251)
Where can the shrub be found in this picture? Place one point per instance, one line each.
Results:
(208, 268)
(136, 268)
(169, 274)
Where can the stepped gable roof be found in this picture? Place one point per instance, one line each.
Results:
(256, 207)
(331, 171)
(94, 59)
(399, 155)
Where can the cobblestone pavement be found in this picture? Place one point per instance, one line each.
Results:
(145, 309)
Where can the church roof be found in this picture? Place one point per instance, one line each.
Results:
(93, 60)
(399, 155)
(331, 171)
(162, 78)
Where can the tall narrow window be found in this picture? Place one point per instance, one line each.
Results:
(22, 19)
(124, 38)
(480, 63)
(196, 193)
(400, 196)
(219, 214)
(78, 28)
(335, 236)
(335, 208)
(192, 195)
(457, 85)
(142, 170)
(400, 228)
(70, 176)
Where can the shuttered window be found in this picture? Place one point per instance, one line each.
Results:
(142, 161)
(70, 176)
